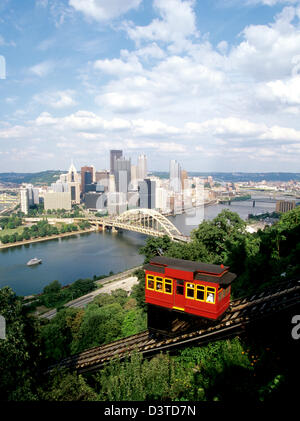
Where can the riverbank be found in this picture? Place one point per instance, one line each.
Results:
(50, 237)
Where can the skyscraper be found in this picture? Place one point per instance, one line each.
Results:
(175, 176)
(142, 167)
(73, 182)
(86, 177)
(122, 171)
(29, 197)
(133, 177)
(184, 179)
(146, 190)
(114, 155)
(24, 200)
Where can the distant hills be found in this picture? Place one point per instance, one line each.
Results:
(240, 176)
(50, 176)
(43, 177)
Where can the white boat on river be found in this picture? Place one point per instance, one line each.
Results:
(34, 261)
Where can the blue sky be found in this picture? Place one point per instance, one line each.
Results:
(214, 84)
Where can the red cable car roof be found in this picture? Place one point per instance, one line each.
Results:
(202, 271)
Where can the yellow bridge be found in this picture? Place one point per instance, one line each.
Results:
(143, 221)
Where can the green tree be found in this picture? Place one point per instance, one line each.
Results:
(51, 294)
(82, 287)
(99, 325)
(20, 356)
(219, 234)
(58, 334)
(66, 386)
(136, 379)
(155, 247)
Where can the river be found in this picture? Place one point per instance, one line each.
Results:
(85, 255)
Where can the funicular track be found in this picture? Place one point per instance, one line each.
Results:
(242, 312)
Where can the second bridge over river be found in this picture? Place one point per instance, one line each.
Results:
(143, 221)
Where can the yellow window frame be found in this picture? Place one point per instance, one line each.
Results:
(150, 278)
(200, 288)
(168, 281)
(187, 288)
(213, 291)
(159, 279)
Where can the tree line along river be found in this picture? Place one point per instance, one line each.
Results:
(85, 255)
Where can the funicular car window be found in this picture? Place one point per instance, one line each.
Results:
(179, 287)
(190, 290)
(168, 286)
(159, 284)
(200, 293)
(150, 282)
(210, 295)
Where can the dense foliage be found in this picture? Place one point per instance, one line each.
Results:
(267, 216)
(38, 210)
(10, 222)
(43, 229)
(20, 353)
(108, 317)
(54, 295)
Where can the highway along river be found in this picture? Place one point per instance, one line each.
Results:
(85, 255)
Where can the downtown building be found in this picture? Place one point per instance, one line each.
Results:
(87, 176)
(142, 167)
(57, 200)
(175, 177)
(147, 192)
(114, 155)
(69, 182)
(29, 196)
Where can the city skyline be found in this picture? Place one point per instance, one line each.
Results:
(212, 84)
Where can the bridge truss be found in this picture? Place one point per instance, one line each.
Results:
(144, 221)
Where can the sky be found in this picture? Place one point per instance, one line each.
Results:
(214, 84)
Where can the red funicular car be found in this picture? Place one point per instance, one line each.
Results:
(195, 288)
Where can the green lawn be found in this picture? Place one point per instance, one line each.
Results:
(12, 231)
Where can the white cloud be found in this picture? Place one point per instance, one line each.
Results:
(268, 51)
(287, 92)
(285, 134)
(171, 81)
(150, 51)
(119, 67)
(58, 99)
(153, 127)
(271, 2)
(230, 126)
(166, 147)
(123, 102)
(102, 10)
(15, 132)
(177, 22)
(41, 3)
(42, 69)
(45, 119)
